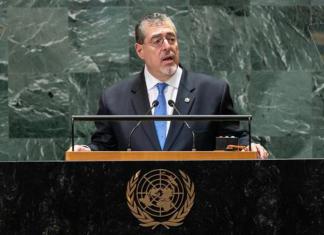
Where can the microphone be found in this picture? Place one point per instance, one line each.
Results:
(172, 104)
(154, 104)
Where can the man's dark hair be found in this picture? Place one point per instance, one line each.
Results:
(151, 19)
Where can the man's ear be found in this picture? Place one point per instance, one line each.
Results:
(139, 50)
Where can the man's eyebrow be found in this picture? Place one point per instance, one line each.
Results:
(157, 35)
(160, 35)
(171, 34)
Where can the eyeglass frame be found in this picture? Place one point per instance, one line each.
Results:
(168, 37)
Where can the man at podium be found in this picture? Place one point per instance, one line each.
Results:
(164, 87)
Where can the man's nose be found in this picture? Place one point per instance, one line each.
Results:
(165, 44)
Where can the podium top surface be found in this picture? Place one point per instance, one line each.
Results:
(159, 156)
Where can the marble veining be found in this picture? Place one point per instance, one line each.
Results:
(56, 56)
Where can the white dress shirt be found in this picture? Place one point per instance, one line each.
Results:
(170, 92)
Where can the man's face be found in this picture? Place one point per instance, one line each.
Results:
(160, 50)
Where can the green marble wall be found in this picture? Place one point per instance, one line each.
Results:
(57, 55)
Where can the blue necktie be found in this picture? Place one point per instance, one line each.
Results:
(161, 109)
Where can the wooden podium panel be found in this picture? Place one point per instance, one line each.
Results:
(159, 156)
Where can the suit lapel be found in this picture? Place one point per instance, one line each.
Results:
(184, 102)
(140, 103)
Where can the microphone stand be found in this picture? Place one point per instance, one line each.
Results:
(154, 104)
(172, 104)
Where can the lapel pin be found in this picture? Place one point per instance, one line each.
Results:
(187, 100)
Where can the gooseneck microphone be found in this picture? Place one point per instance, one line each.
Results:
(154, 104)
(172, 104)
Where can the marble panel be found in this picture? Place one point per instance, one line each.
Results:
(3, 4)
(3, 23)
(317, 30)
(317, 14)
(317, 2)
(20, 149)
(291, 146)
(241, 85)
(3, 57)
(239, 82)
(99, 37)
(38, 105)
(25, 59)
(37, 26)
(3, 106)
(280, 39)
(79, 4)
(318, 104)
(37, 3)
(220, 2)
(281, 2)
(33, 149)
(158, 3)
(219, 39)
(85, 91)
(94, 40)
(280, 102)
(258, 94)
(38, 40)
(181, 19)
(318, 147)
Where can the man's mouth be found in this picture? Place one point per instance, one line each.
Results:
(167, 59)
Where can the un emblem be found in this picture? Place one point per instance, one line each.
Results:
(160, 197)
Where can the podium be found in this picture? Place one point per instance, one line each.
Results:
(159, 155)
(231, 197)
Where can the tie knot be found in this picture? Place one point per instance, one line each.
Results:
(161, 87)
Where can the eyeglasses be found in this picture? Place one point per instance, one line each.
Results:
(158, 41)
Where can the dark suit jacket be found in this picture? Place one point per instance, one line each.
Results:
(207, 96)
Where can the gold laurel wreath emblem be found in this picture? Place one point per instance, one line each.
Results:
(146, 220)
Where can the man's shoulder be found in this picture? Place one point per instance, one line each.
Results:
(123, 85)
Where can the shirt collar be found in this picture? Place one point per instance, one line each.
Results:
(173, 81)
